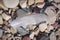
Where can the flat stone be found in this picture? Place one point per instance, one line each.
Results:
(6, 17)
(1, 21)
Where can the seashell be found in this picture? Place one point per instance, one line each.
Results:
(10, 3)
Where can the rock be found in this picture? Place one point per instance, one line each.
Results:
(10, 3)
(52, 36)
(42, 27)
(6, 17)
(23, 3)
(1, 20)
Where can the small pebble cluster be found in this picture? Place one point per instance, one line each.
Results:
(10, 10)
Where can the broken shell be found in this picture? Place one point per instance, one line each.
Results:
(6, 17)
(42, 27)
(23, 3)
(10, 3)
(1, 20)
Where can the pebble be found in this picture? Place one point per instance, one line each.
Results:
(5, 16)
(2, 6)
(57, 1)
(42, 27)
(52, 36)
(1, 20)
(23, 3)
(10, 3)
(30, 2)
(1, 32)
(39, 1)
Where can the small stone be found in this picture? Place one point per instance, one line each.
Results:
(2, 6)
(41, 5)
(30, 2)
(58, 6)
(57, 1)
(1, 21)
(39, 1)
(42, 27)
(32, 35)
(36, 32)
(6, 17)
(23, 3)
(11, 3)
(13, 30)
(52, 36)
(51, 12)
(1, 11)
(1, 32)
